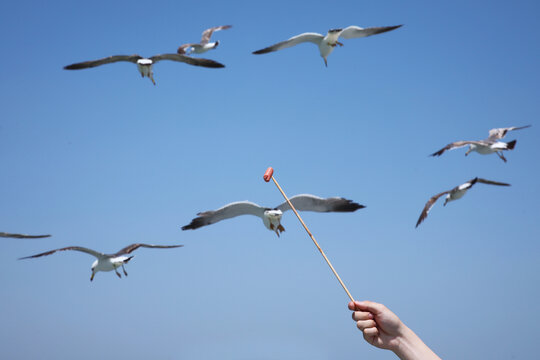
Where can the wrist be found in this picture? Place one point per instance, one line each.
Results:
(411, 347)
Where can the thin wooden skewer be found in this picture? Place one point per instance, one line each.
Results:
(269, 175)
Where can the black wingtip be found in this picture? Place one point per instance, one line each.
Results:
(77, 66)
(262, 51)
(349, 206)
(194, 224)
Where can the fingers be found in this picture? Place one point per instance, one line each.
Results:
(371, 334)
(362, 315)
(369, 306)
(366, 324)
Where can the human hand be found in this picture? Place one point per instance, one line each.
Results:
(380, 326)
(383, 329)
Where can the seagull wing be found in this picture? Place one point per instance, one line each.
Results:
(182, 48)
(490, 182)
(428, 207)
(454, 145)
(130, 248)
(187, 60)
(352, 32)
(226, 212)
(499, 133)
(307, 202)
(22, 236)
(295, 40)
(207, 34)
(76, 248)
(107, 60)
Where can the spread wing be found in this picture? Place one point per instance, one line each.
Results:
(130, 248)
(454, 145)
(226, 212)
(295, 40)
(307, 202)
(428, 207)
(107, 60)
(22, 236)
(490, 182)
(187, 60)
(207, 34)
(499, 133)
(76, 248)
(352, 32)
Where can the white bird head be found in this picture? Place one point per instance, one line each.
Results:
(272, 220)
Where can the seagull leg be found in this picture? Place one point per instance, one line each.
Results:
(325, 62)
(117, 273)
(340, 44)
(280, 228)
(92, 277)
(125, 273)
(501, 156)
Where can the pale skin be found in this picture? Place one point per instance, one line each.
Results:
(383, 329)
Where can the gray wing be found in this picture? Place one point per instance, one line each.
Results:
(352, 32)
(76, 248)
(295, 40)
(307, 202)
(187, 60)
(490, 182)
(499, 133)
(207, 34)
(226, 212)
(22, 236)
(130, 248)
(455, 145)
(428, 207)
(107, 60)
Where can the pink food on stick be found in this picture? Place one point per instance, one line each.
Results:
(268, 174)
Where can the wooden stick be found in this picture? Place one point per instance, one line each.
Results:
(269, 175)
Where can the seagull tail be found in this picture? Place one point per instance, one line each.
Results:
(129, 258)
(510, 145)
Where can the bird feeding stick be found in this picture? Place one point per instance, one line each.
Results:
(269, 174)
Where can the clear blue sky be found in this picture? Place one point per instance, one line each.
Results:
(102, 158)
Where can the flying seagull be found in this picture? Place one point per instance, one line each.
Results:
(487, 146)
(272, 217)
(205, 43)
(22, 236)
(107, 262)
(327, 43)
(454, 194)
(145, 64)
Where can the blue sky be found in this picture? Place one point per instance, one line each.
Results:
(102, 158)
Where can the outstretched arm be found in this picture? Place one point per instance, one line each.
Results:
(383, 329)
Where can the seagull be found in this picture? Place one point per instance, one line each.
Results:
(487, 146)
(145, 64)
(272, 217)
(327, 43)
(106, 262)
(22, 236)
(454, 194)
(205, 43)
